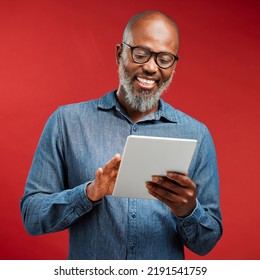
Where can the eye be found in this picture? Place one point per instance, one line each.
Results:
(164, 59)
(140, 54)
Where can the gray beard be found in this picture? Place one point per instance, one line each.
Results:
(140, 102)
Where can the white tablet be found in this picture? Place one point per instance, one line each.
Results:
(145, 156)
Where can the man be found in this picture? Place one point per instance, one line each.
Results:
(67, 188)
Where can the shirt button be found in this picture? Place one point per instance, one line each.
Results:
(133, 215)
(134, 128)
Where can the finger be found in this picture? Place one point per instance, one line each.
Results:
(165, 197)
(181, 179)
(111, 185)
(162, 193)
(116, 158)
(113, 163)
(99, 174)
(166, 183)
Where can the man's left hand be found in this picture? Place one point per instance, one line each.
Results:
(175, 190)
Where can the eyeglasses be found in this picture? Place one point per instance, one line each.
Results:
(141, 55)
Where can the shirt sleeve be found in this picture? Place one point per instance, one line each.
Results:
(201, 230)
(48, 204)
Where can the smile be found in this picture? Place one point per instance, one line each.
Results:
(146, 83)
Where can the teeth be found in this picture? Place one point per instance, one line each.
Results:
(145, 81)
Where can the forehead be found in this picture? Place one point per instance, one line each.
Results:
(157, 34)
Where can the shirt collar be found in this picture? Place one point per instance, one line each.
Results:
(109, 101)
(167, 111)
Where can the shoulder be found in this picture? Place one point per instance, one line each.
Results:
(87, 107)
(184, 121)
(77, 108)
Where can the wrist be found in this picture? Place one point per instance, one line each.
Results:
(90, 194)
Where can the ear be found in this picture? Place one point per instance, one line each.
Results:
(118, 53)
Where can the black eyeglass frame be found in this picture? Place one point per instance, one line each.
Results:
(132, 48)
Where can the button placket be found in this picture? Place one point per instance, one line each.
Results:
(132, 241)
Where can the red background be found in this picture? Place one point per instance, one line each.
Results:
(62, 51)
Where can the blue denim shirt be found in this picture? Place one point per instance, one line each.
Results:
(80, 138)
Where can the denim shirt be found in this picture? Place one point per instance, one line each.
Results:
(80, 138)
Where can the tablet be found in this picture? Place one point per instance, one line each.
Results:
(145, 156)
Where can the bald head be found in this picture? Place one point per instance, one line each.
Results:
(151, 16)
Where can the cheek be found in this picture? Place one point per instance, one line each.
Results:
(167, 75)
(132, 70)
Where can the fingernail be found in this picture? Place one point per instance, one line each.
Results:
(171, 174)
(155, 179)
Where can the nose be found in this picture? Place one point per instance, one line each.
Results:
(150, 66)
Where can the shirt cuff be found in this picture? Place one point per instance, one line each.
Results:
(83, 203)
(188, 225)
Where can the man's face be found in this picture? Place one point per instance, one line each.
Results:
(143, 84)
(146, 94)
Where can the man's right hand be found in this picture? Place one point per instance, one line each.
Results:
(105, 179)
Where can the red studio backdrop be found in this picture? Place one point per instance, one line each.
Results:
(58, 52)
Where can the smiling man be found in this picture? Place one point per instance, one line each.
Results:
(67, 187)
